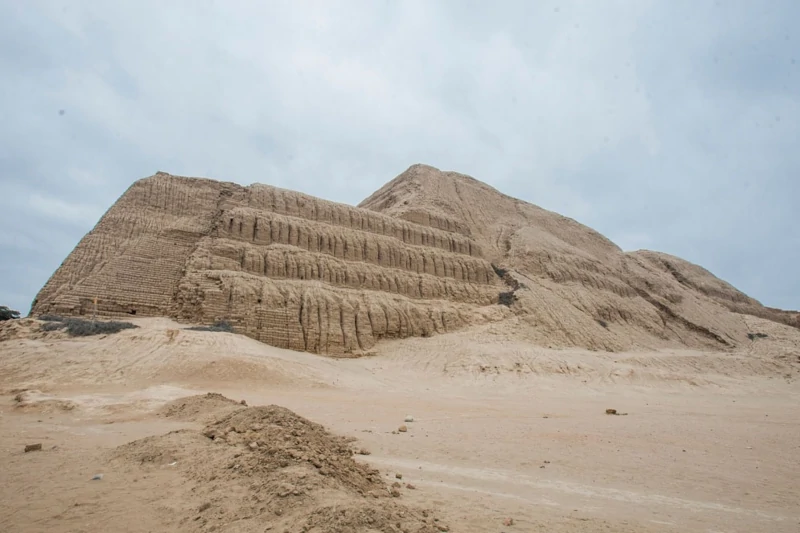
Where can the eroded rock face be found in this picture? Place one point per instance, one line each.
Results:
(285, 268)
(572, 286)
(428, 253)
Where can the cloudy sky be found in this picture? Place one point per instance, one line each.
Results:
(667, 125)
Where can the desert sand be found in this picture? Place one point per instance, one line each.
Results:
(502, 429)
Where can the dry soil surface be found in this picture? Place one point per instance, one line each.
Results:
(501, 431)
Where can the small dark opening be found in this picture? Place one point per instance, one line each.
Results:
(507, 298)
(259, 300)
(499, 270)
(132, 312)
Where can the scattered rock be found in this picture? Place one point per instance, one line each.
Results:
(243, 402)
(97, 477)
(409, 418)
(402, 429)
(409, 486)
(398, 475)
(253, 445)
(364, 451)
(547, 462)
(611, 411)
(395, 493)
(204, 507)
(33, 447)
(443, 528)
(508, 522)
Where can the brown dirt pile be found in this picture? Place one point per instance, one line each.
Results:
(204, 408)
(266, 468)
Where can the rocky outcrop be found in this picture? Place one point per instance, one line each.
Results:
(430, 252)
(288, 269)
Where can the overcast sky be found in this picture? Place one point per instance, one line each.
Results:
(667, 125)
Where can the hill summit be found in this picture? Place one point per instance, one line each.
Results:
(430, 252)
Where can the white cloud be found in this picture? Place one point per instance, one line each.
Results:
(84, 178)
(73, 213)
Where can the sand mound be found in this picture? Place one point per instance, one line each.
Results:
(284, 439)
(26, 328)
(201, 408)
(262, 467)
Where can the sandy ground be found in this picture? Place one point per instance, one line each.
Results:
(710, 442)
